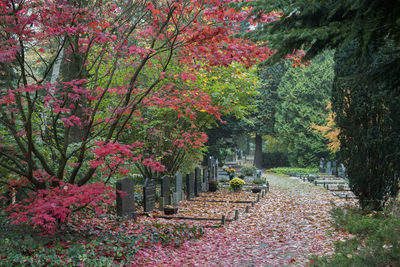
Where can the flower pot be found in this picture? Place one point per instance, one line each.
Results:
(256, 190)
(170, 210)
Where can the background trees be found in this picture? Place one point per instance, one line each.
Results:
(363, 27)
(304, 93)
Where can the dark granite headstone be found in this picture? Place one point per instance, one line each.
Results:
(205, 180)
(197, 181)
(149, 195)
(166, 189)
(125, 204)
(211, 164)
(216, 170)
(178, 187)
(334, 168)
(190, 185)
(175, 201)
(329, 167)
(342, 171)
(321, 165)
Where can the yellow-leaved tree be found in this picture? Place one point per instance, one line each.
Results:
(329, 131)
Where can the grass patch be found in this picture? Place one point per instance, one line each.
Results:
(293, 170)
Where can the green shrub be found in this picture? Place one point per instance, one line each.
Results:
(236, 184)
(248, 170)
(376, 240)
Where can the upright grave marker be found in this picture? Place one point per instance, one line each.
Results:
(211, 164)
(166, 189)
(205, 180)
(197, 181)
(334, 168)
(190, 185)
(216, 169)
(125, 204)
(321, 165)
(342, 171)
(328, 167)
(149, 195)
(178, 187)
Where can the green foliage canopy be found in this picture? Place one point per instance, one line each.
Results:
(304, 94)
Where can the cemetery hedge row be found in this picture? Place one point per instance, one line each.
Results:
(275, 159)
(283, 170)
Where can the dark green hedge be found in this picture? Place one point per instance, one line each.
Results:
(275, 159)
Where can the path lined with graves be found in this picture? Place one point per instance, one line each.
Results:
(286, 227)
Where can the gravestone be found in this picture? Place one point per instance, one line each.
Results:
(197, 181)
(149, 195)
(189, 185)
(334, 168)
(328, 167)
(175, 199)
(161, 204)
(216, 170)
(166, 189)
(321, 165)
(211, 164)
(125, 204)
(178, 187)
(342, 171)
(205, 180)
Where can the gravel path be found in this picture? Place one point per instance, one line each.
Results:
(285, 228)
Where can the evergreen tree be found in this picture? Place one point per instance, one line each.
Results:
(368, 116)
(316, 25)
(304, 94)
(262, 121)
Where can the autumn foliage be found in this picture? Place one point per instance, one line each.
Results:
(75, 77)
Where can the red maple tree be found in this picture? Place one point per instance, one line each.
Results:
(74, 75)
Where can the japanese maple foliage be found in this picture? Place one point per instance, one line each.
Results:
(64, 108)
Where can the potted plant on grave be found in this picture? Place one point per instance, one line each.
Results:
(212, 186)
(231, 172)
(236, 184)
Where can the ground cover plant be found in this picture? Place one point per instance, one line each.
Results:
(91, 241)
(374, 239)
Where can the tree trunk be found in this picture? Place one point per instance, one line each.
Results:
(258, 152)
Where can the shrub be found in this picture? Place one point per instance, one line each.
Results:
(248, 170)
(375, 242)
(275, 159)
(236, 184)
